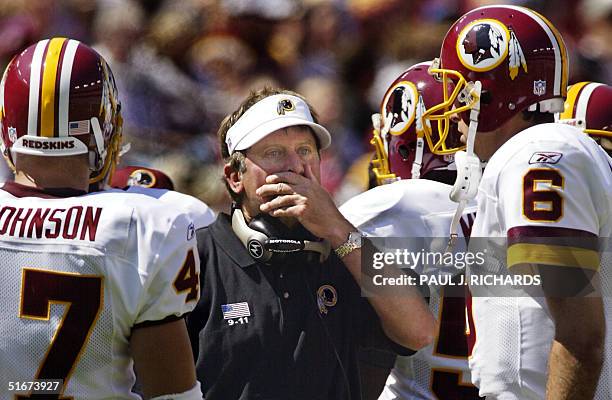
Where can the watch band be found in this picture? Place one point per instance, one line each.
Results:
(352, 242)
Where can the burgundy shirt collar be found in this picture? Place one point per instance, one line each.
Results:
(19, 190)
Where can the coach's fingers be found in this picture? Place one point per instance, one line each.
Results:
(294, 211)
(274, 189)
(281, 202)
(287, 177)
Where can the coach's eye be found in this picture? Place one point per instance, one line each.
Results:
(305, 151)
(274, 153)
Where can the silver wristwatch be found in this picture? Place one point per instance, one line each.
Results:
(353, 242)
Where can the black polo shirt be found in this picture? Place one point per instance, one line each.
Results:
(278, 332)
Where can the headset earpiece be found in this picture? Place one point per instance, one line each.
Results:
(254, 241)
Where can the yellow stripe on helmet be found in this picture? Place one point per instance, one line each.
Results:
(572, 97)
(49, 80)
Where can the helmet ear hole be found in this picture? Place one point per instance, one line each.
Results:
(403, 151)
(485, 97)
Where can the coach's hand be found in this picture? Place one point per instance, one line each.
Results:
(303, 197)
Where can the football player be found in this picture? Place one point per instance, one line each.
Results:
(408, 207)
(547, 189)
(155, 183)
(92, 283)
(588, 107)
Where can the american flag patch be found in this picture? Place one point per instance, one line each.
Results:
(235, 310)
(78, 127)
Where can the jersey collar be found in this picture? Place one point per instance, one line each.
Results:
(19, 190)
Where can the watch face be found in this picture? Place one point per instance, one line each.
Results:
(355, 237)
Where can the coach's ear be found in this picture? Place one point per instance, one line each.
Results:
(233, 179)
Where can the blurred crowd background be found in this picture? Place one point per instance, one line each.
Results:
(182, 65)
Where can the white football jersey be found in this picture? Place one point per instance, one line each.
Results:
(547, 181)
(79, 273)
(199, 211)
(421, 208)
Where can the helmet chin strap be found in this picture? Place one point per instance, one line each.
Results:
(468, 165)
(99, 141)
(418, 159)
(420, 143)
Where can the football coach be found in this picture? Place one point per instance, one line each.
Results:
(281, 314)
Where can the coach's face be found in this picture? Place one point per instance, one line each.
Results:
(292, 149)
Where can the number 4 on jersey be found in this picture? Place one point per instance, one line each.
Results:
(187, 279)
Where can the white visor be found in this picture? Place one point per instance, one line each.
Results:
(269, 115)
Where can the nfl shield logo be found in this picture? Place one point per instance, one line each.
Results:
(539, 88)
(12, 134)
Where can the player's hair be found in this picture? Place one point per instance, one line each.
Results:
(236, 161)
(483, 39)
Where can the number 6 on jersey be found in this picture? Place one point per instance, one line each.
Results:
(542, 200)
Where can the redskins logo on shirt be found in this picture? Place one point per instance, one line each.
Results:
(327, 296)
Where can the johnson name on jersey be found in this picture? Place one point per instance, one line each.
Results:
(412, 209)
(548, 191)
(79, 273)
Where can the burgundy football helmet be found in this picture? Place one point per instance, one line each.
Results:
(589, 106)
(58, 98)
(404, 143)
(503, 60)
(128, 176)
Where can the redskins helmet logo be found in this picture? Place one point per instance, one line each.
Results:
(141, 177)
(285, 105)
(484, 44)
(399, 107)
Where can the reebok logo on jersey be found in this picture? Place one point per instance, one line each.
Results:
(190, 231)
(545, 157)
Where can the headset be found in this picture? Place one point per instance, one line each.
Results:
(269, 240)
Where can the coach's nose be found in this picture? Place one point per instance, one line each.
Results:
(295, 163)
